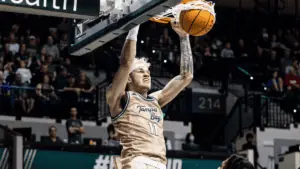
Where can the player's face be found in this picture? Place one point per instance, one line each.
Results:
(141, 78)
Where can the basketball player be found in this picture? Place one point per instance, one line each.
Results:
(236, 162)
(137, 116)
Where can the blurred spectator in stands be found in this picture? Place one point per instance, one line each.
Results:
(112, 136)
(71, 68)
(286, 62)
(41, 59)
(207, 51)
(63, 42)
(275, 84)
(250, 145)
(52, 138)
(84, 83)
(46, 97)
(1, 62)
(2, 80)
(292, 81)
(45, 91)
(24, 72)
(274, 62)
(260, 59)
(71, 86)
(12, 45)
(74, 128)
(274, 42)
(31, 47)
(39, 76)
(62, 79)
(22, 54)
(54, 35)
(52, 49)
(296, 67)
(227, 52)
(264, 42)
(51, 67)
(9, 72)
(241, 50)
(165, 40)
(21, 94)
(189, 142)
(70, 95)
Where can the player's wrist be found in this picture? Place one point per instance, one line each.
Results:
(133, 33)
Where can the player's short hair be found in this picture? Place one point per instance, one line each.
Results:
(140, 63)
(237, 162)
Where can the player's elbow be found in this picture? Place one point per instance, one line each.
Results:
(188, 78)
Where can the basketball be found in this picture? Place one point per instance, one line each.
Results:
(196, 22)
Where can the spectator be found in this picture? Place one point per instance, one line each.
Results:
(42, 58)
(275, 84)
(207, 51)
(71, 68)
(74, 128)
(165, 39)
(32, 47)
(63, 42)
(112, 136)
(189, 142)
(84, 83)
(62, 79)
(39, 76)
(273, 63)
(12, 46)
(45, 90)
(51, 67)
(241, 50)
(227, 52)
(286, 63)
(292, 81)
(250, 145)
(52, 49)
(21, 95)
(24, 72)
(52, 138)
(296, 67)
(23, 54)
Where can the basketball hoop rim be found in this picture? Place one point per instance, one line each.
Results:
(173, 13)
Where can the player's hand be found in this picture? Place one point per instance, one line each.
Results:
(178, 29)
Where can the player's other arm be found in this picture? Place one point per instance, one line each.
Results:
(117, 90)
(178, 83)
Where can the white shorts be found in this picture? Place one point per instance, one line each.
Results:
(142, 163)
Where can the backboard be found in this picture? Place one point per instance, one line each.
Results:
(116, 17)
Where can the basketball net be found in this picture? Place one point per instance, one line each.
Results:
(174, 13)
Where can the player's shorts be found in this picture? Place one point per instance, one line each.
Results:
(143, 163)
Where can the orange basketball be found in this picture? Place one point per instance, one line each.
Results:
(197, 22)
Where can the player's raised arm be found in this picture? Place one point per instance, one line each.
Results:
(178, 83)
(117, 90)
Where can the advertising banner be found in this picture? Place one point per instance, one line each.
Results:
(46, 159)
